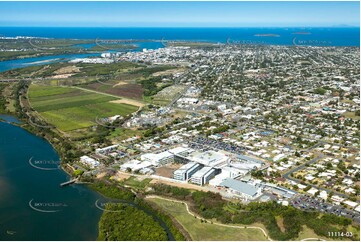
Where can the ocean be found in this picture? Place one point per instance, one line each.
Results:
(349, 36)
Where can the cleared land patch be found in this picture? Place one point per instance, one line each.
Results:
(280, 224)
(129, 101)
(133, 91)
(70, 109)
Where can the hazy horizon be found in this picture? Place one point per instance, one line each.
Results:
(180, 14)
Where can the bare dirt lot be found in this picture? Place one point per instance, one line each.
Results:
(167, 171)
(129, 101)
(176, 184)
(121, 83)
(66, 72)
(121, 176)
(168, 72)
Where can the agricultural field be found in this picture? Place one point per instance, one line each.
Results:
(125, 89)
(206, 231)
(70, 109)
(129, 81)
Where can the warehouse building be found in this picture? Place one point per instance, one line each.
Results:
(241, 189)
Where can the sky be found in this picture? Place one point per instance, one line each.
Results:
(179, 14)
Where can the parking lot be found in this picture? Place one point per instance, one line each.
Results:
(311, 204)
(200, 142)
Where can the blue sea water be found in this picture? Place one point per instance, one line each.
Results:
(262, 36)
(324, 36)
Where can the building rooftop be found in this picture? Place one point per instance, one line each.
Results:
(202, 171)
(243, 157)
(158, 156)
(185, 167)
(209, 158)
(180, 149)
(239, 186)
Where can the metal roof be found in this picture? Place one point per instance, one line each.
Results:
(249, 159)
(202, 172)
(239, 186)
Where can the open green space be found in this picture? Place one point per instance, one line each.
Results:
(212, 206)
(101, 69)
(352, 115)
(122, 133)
(70, 109)
(307, 233)
(199, 230)
(136, 183)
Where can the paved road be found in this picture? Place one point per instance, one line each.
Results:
(287, 175)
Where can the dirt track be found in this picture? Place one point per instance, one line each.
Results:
(129, 101)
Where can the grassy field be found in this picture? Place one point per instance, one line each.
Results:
(206, 231)
(351, 115)
(136, 183)
(309, 233)
(121, 133)
(70, 109)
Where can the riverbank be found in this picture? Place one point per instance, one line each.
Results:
(121, 195)
(22, 117)
(156, 220)
(26, 199)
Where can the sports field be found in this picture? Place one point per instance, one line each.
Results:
(206, 231)
(69, 108)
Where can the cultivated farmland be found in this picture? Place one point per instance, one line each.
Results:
(69, 108)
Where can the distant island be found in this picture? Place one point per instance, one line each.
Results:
(267, 35)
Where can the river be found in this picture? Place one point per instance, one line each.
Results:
(32, 204)
(67, 213)
(42, 60)
(50, 59)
